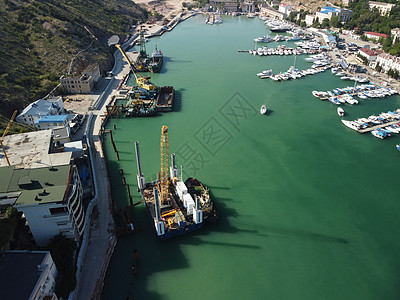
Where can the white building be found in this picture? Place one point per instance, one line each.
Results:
(328, 12)
(285, 8)
(387, 62)
(384, 8)
(50, 200)
(40, 108)
(375, 35)
(27, 275)
(369, 54)
(309, 20)
(53, 121)
(395, 33)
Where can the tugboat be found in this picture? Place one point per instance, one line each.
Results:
(197, 190)
(156, 61)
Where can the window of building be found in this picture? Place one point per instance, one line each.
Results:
(58, 210)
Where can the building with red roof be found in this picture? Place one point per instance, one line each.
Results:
(375, 36)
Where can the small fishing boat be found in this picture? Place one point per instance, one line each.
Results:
(263, 109)
(340, 111)
(398, 147)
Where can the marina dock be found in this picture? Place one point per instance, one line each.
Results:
(369, 129)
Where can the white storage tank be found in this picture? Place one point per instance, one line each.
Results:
(188, 203)
(181, 189)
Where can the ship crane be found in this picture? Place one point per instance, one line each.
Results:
(4, 134)
(164, 151)
(143, 82)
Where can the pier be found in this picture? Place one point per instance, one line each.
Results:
(369, 129)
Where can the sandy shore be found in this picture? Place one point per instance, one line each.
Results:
(167, 8)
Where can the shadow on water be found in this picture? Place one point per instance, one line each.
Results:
(275, 231)
(178, 100)
(158, 256)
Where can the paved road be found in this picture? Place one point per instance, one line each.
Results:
(100, 238)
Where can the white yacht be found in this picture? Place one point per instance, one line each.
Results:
(263, 109)
(340, 111)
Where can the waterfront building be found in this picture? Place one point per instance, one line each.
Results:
(27, 275)
(395, 33)
(49, 198)
(248, 7)
(375, 35)
(387, 62)
(271, 13)
(285, 8)
(39, 109)
(44, 186)
(370, 55)
(328, 12)
(83, 84)
(384, 8)
(226, 6)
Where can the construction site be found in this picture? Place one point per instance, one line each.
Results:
(141, 100)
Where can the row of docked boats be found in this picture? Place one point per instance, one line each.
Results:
(380, 126)
(344, 76)
(282, 50)
(278, 38)
(214, 18)
(294, 73)
(346, 95)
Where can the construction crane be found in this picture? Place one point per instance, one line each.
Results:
(143, 82)
(163, 187)
(4, 134)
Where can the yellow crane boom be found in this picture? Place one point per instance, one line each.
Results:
(4, 134)
(143, 82)
(164, 145)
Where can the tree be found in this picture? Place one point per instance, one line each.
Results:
(325, 23)
(335, 22)
(62, 250)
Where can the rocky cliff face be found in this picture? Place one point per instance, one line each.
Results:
(40, 38)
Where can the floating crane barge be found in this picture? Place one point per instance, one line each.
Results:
(145, 99)
(173, 208)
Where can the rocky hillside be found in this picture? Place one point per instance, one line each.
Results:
(40, 37)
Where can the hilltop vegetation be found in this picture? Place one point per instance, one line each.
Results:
(40, 37)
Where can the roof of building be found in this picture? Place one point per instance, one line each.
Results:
(44, 185)
(38, 108)
(330, 9)
(369, 52)
(90, 68)
(52, 119)
(19, 273)
(376, 34)
(381, 3)
(31, 150)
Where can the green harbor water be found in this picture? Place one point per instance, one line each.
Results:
(309, 209)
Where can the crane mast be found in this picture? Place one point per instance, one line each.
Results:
(164, 145)
(143, 82)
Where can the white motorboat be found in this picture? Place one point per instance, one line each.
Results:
(265, 73)
(263, 109)
(340, 111)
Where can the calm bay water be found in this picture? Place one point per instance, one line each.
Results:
(308, 208)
